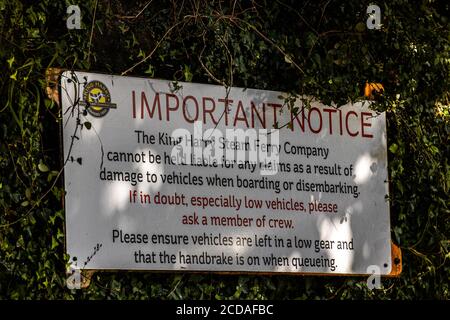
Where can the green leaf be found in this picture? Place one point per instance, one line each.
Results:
(187, 73)
(14, 76)
(88, 125)
(11, 61)
(54, 243)
(150, 71)
(42, 167)
(28, 193)
(434, 150)
(393, 148)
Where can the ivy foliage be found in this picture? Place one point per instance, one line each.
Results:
(314, 48)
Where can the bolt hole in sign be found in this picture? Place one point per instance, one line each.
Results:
(186, 176)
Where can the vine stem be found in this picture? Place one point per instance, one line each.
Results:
(154, 49)
(92, 32)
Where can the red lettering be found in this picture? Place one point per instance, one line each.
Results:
(210, 111)
(330, 111)
(168, 108)
(275, 106)
(226, 110)
(237, 117)
(134, 104)
(301, 124)
(185, 111)
(254, 110)
(365, 124)
(316, 117)
(319, 117)
(150, 112)
(353, 134)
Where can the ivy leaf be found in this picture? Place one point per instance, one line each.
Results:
(28, 193)
(88, 125)
(150, 71)
(11, 61)
(187, 73)
(14, 76)
(393, 148)
(54, 243)
(42, 167)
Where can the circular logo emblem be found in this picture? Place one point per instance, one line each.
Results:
(97, 99)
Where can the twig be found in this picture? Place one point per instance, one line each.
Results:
(298, 13)
(92, 32)
(136, 16)
(154, 49)
(262, 35)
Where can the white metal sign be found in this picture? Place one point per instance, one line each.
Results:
(183, 176)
